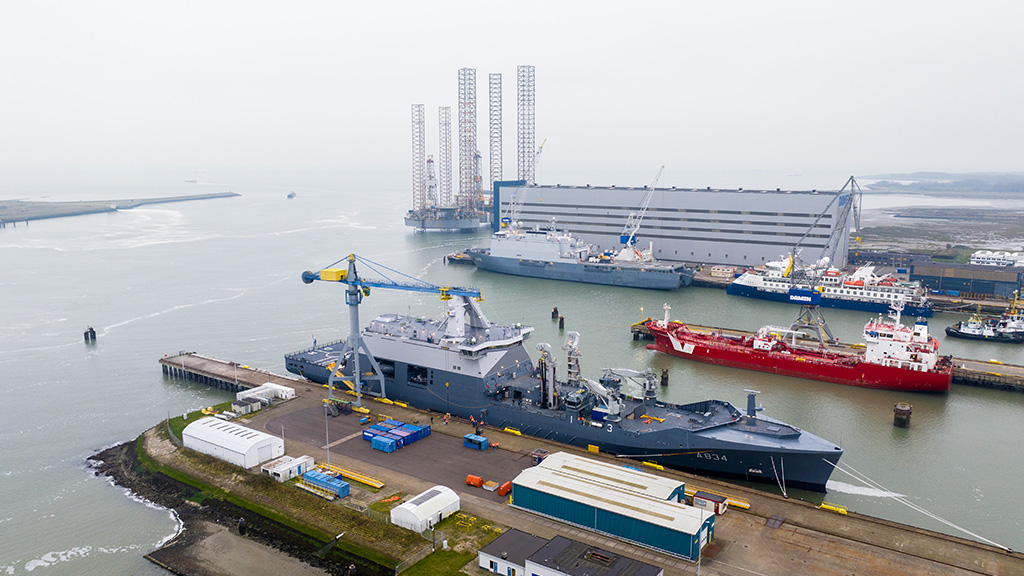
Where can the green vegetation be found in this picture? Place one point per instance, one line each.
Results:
(441, 563)
(178, 423)
(276, 491)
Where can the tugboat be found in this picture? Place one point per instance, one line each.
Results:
(896, 356)
(990, 330)
(467, 366)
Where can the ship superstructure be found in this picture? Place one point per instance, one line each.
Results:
(558, 255)
(862, 289)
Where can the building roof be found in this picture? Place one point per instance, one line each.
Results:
(613, 475)
(514, 546)
(579, 559)
(428, 503)
(226, 434)
(649, 509)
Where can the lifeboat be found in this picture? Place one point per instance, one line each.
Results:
(853, 283)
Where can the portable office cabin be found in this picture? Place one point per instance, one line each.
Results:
(287, 467)
(711, 502)
(426, 509)
(664, 525)
(232, 443)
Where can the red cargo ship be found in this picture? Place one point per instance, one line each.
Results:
(896, 356)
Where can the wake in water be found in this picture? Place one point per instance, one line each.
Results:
(836, 486)
(850, 470)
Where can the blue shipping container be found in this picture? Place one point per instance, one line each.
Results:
(384, 444)
(475, 442)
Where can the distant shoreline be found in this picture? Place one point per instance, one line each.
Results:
(24, 210)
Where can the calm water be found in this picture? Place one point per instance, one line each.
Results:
(221, 277)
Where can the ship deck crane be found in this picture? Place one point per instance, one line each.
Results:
(628, 235)
(359, 287)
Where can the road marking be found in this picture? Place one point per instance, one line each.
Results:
(345, 439)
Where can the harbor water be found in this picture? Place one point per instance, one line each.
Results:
(222, 278)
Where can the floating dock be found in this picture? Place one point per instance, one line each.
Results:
(966, 372)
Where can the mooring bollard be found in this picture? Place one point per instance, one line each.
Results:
(664, 376)
(901, 415)
(554, 313)
(561, 322)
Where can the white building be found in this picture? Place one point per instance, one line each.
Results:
(997, 258)
(426, 509)
(507, 553)
(267, 391)
(287, 467)
(232, 443)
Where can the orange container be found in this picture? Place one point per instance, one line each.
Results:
(505, 488)
(474, 480)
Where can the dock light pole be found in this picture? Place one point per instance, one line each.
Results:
(327, 438)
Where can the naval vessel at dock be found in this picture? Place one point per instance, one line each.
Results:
(468, 366)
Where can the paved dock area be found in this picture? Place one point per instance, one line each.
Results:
(802, 540)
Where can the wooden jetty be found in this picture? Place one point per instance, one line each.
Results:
(966, 372)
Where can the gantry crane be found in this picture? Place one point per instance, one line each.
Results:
(358, 288)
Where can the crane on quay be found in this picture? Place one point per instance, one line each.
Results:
(359, 287)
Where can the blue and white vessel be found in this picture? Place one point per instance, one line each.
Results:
(860, 290)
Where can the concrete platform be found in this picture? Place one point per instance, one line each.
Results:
(806, 541)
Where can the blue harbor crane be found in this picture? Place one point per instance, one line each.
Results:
(359, 287)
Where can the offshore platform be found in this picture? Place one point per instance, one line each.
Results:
(434, 206)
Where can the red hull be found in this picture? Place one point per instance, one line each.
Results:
(840, 369)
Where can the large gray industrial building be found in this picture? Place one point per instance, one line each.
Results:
(711, 226)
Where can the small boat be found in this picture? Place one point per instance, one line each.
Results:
(291, 195)
(988, 329)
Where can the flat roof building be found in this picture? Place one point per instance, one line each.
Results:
(713, 226)
(518, 553)
(624, 513)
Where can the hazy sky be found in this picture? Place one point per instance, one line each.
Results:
(858, 87)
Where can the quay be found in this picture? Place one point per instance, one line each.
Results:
(966, 372)
(775, 537)
(229, 376)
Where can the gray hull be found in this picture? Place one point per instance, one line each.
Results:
(658, 276)
(710, 437)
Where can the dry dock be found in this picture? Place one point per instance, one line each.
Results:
(774, 537)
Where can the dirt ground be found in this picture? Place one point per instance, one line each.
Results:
(210, 549)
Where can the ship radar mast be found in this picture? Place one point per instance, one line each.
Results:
(752, 407)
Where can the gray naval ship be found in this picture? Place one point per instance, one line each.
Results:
(469, 367)
(558, 255)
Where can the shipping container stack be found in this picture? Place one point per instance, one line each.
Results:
(334, 485)
(390, 435)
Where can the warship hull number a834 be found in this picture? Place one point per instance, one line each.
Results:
(465, 365)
